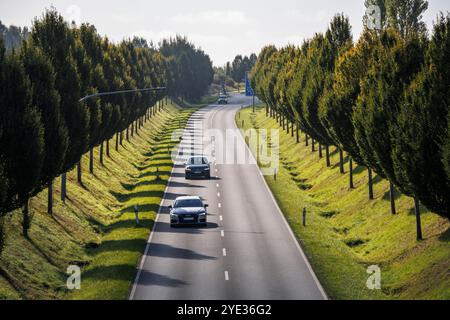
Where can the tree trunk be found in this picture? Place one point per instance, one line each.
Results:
(107, 148)
(341, 161)
(121, 138)
(292, 129)
(313, 145)
(283, 120)
(306, 140)
(101, 153)
(132, 128)
(91, 160)
(327, 155)
(50, 198)
(320, 151)
(418, 223)
(26, 219)
(117, 141)
(369, 172)
(391, 197)
(79, 173)
(267, 110)
(296, 133)
(63, 187)
(127, 137)
(351, 172)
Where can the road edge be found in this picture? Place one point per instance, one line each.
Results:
(305, 258)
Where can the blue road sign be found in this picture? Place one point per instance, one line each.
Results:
(248, 88)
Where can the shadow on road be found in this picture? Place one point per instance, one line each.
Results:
(168, 251)
(151, 278)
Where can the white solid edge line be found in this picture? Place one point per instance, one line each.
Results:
(227, 276)
(149, 240)
(222, 233)
(224, 252)
(316, 280)
(221, 218)
(141, 264)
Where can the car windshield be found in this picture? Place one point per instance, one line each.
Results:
(188, 203)
(198, 160)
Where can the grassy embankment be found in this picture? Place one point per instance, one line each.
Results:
(346, 232)
(96, 226)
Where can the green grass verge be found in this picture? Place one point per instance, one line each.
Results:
(95, 228)
(346, 232)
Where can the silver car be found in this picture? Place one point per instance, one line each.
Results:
(188, 210)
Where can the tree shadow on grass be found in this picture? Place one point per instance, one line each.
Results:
(397, 194)
(445, 236)
(154, 173)
(111, 272)
(129, 223)
(132, 186)
(124, 197)
(376, 179)
(149, 207)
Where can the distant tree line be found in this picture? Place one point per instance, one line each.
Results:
(45, 128)
(241, 64)
(189, 69)
(384, 100)
(13, 36)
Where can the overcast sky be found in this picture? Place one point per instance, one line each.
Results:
(222, 28)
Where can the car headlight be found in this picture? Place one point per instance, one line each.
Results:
(188, 169)
(206, 169)
(203, 213)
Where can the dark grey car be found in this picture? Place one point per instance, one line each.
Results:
(188, 210)
(197, 167)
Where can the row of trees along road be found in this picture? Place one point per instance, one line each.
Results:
(384, 100)
(45, 129)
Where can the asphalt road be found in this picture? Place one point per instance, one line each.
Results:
(247, 251)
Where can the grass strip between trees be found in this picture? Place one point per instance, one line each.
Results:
(96, 226)
(346, 232)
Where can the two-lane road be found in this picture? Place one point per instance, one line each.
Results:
(247, 251)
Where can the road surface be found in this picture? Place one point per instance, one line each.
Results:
(247, 251)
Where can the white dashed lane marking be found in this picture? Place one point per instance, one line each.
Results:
(227, 277)
(224, 252)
